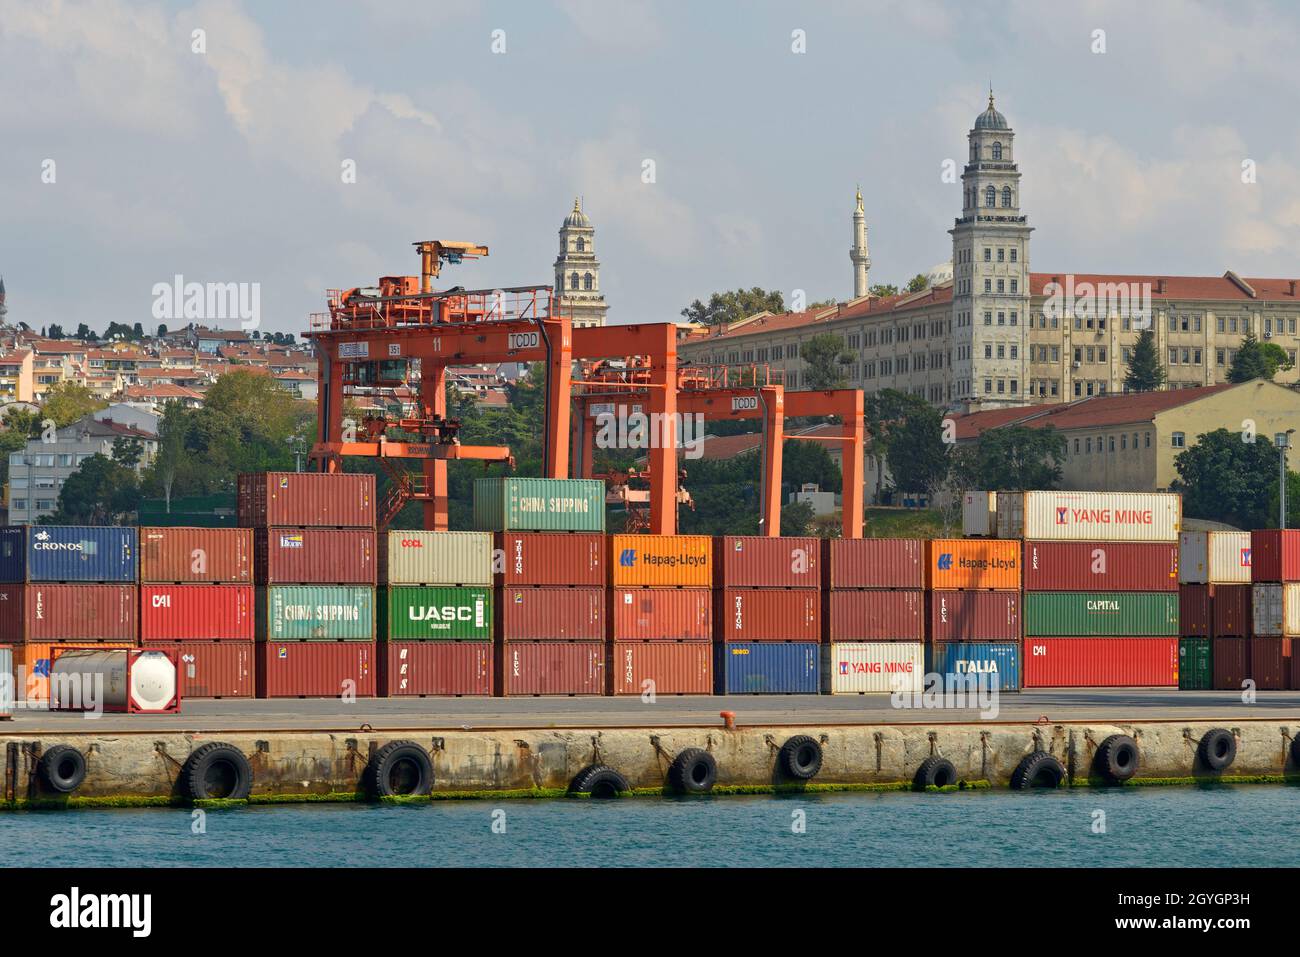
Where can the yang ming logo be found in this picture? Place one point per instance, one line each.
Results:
(628, 557)
(945, 561)
(844, 667)
(1060, 515)
(1245, 558)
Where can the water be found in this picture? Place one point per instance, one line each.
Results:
(1226, 826)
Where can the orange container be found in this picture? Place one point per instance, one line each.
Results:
(972, 563)
(32, 665)
(661, 560)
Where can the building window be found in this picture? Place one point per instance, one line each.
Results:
(1092, 354)
(1056, 353)
(1101, 353)
(1148, 439)
(1078, 353)
(581, 244)
(1196, 356)
(1006, 197)
(988, 254)
(997, 151)
(988, 386)
(1015, 386)
(1178, 440)
(1002, 386)
(1123, 442)
(1078, 388)
(1002, 318)
(1110, 443)
(988, 350)
(1013, 317)
(990, 197)
(1091, 388)
(1002, 285)
(1055, 388)
(988, 285)
(1014, 253)
(1015, 352)
(1173, 357)
(573, 281)
(1218, 356)
(1220, 323)
(1088, 445)
(1002, 351)
(1232, 324)
(1001, 253)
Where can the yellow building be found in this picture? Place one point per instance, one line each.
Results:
(16, 378)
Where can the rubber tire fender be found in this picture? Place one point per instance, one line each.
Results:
(934, 771)
(1117, 758)
(1217, 749)
(63, 768)
(1033, 768)
(201, 762)
(378, 776)
(693, 771)
(1295, 752)
(800, 758)
(599, 781)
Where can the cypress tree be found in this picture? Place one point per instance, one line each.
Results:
(1145, 373)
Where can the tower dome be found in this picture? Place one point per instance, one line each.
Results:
(577, 217)
(991, 119)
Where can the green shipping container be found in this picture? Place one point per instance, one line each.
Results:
(1105, 614)
(416, 612)
(539, 505)
(316, 613)
(1195, 664)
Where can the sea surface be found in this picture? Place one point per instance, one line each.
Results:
(1224, 826)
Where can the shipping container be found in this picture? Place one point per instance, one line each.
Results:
(306, 499)
(8, 690)
(550, 613)
(68, 553)
(1233, 616)
(768, 667)
(974, 616)
(32, 665)
(1275, 609)
(435, 668)
(1195, 664)
(759, 561)
(873, 562)
(1275, 555)
(661, 560)
(1112, 662)
(979, 514)
(1231, 663)
(315, 613)
(873, 667)
(768, 614)
(213, 669)
(550, 558)
(422, 612)
(126, 680)
(437, 558)
(1098, 614)
(1090, 516)
(958, 663)
(551, 668)
(874, 615)
(539, 505)
(1213, 558)
(659, 614)
(1196, 610)
(196, 555)
(972, 563)
(196, 612)
(315, 669)
(68, 613)
(1101, 566)
(316, 556)
(661, 667)
(1270, 663)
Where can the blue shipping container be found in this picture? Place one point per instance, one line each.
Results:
(68, 553)
(769, 667)
(982, 659)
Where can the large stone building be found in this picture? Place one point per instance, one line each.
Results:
(999, 335)
(577, 271)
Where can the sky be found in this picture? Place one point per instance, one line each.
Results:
(127, 157)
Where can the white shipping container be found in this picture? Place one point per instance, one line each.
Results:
(979, 514)
(438, 558)
(1090, 516)
(1276, 610)
(874, 667)
(1219, 558)
(8, 687)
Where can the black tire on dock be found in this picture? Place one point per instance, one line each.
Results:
(216, 770)
(693, 771)
(1295, 752)
(599, 781)
(398, 769)
(1037, 770)
(934, 772)
(1117, 759)
(800, 758)
(63, 768)
(1217, 749)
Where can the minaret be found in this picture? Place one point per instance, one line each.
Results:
(577, 271)
(858, 251)
(3, 308)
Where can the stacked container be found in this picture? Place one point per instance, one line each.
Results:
(973, 611)
(196, 600)
(767, 615)
(1275, 607)
(1214, 577)
(315, 569)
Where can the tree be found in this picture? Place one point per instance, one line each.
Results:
(100, 492)
(84, 333)
(825, 360)
(1256, 360)
(56, 332)
(128, 452)
(1145, 374)
(733, 306)
(1227, 479)
(918, 282)
(917, 455)
(882, 290)
(162, 330)
(20, 425)
(67, 402)
(137, 331)
(1013, 459)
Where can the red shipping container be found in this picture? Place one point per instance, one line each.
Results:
(551, 668)
(315, 556)
(307, 499)
(1101, 566)
(1101, 662)
(661, 614)
(443, 668)
(212, 669)
(68, 613)
(664, 667)
(315, 669)
(196, 612)
(548, 613)
(764, 561)
(1275, 555)
(211, 555)
(1196, 610)
(1231, 662)
(1233, 616)
(974, 616)
(874, 562)
(1270, 661)
(552, 558)
(874, 615)
(768, 614)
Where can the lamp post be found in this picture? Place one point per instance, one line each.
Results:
(1283, 443)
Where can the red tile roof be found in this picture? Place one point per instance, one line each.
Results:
(162, 390)
(1223, 287)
